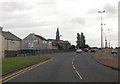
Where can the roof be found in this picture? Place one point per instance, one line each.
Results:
(40, 37)
(9, 36)
(65, 42)
(61, 41)
(51, 39)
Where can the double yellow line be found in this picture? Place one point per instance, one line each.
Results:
(7, 78)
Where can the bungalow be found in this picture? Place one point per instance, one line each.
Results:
(34, 42)
(11, 44)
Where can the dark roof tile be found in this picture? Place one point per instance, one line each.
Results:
(40, 37)
(9, 36)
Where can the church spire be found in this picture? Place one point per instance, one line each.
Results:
(57, 35)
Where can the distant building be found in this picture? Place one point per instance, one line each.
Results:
(10, 44)
(57, 41)
(65, 44)
(36, 42)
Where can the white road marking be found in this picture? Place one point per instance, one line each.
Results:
(78, 74)
(72, 62)
(73, 67)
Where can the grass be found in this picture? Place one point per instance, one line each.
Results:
(13, 64)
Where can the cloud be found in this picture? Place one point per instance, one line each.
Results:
(14, 6)
(44, 16)
(93, 11)
(110, 9)
(46, 2)
(79, 20)
(27, 21)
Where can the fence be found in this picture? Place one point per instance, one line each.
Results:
(42, 52)
(9, 53)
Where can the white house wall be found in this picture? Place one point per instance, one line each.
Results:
(12, 45)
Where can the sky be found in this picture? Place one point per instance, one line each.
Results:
(43, 17)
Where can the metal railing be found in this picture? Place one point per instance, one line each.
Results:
(42, 52)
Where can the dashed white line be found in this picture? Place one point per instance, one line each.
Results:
(72, 62)
(78, 74)
(73, 67)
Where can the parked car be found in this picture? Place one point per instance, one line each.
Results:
(78, 51)
(85, 50)
(92, 50)
(114, 52)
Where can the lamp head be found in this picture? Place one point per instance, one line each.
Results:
(103, 11)
(99, 11)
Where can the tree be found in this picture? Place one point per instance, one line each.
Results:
(87, 46)
(78, 41)
(72, 47)
(82, 41)
(59, 46)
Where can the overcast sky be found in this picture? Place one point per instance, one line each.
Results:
(42, 17)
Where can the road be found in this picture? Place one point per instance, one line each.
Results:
(69, 67)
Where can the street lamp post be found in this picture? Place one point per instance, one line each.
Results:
(109, 37)
(101, 27)
(109, 41)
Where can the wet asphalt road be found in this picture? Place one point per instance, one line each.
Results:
(69, 67)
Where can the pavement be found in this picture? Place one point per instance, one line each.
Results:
(106, 58)
(68, 67)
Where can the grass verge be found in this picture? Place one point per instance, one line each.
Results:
(13, 64)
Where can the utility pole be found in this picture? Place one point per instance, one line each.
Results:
(105, 41)
(109, 41)
(109, 37)
(101, 27)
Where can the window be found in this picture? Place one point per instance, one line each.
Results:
(31, 45)
(35, 40)
(44, 42)
(12, 42)
(38, 42)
